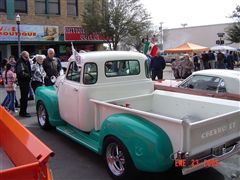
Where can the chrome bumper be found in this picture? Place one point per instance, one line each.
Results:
(191, 168)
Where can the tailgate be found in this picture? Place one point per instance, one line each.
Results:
(211, 132)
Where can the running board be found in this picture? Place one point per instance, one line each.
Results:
(80, 137)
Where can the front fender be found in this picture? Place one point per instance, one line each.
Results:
(149, 146)
(48, 95)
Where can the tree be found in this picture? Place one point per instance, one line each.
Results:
(117, 19)
(233, 32)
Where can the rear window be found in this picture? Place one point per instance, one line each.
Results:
(122, 68)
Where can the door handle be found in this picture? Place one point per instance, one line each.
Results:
(75, 89)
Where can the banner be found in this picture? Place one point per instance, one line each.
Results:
(76, 33)
(9, 32)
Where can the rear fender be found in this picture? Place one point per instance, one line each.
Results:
(148, 145)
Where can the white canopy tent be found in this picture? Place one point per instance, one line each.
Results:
(223, 48)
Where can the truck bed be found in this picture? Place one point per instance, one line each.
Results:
(193, 123)
(179, 106)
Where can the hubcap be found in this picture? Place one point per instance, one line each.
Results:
(41, 115)
(115, 159)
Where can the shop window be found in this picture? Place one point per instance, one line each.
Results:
(72, 8)
(51, 7)
(20, 6)
(2, 5)
(90, 75)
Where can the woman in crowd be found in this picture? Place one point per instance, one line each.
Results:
(38, 72)
(187, 66)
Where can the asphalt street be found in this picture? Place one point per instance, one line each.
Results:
(75, 162)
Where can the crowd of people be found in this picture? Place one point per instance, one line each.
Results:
(29, 75)
(184, 65)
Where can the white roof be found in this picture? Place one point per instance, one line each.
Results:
(219, 72)
(103, 56)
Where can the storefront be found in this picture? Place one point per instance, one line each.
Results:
(36, 39)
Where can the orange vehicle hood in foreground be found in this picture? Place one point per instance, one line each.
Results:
(27, 153)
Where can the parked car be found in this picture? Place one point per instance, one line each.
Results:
(214, 83)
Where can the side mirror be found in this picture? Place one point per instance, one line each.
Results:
(53, 79)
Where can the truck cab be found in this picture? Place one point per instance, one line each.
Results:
(101, 77)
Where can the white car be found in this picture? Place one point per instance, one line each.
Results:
(219, 83)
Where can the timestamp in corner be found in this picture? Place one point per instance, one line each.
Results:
(196, 162)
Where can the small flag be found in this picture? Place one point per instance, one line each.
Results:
(76, 55)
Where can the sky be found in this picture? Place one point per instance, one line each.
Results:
(174, 13)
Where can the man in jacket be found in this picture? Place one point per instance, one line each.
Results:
(157, 66)
(52, 67)
(23, 70)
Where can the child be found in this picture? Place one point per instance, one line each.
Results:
(9, 78)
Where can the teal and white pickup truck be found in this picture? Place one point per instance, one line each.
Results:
(106, 102)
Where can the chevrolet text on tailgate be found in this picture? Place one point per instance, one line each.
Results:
(107, 102)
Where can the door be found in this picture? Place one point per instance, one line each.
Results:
(69, 94)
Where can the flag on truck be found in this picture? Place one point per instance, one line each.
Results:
(76, 55)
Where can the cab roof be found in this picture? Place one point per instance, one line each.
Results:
(98, 56)
(219, 72)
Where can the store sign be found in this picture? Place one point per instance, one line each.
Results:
(76, 33)
(9, 32)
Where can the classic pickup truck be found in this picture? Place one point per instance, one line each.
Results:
(107, 102)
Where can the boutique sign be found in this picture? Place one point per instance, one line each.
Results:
(9, 32)
(76, 33)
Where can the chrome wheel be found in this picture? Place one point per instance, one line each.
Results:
(42, 115)
(115, 159)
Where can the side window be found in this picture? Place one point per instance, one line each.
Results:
(209, 83)
(20, 6)
(90, 74)
(3, 7)
(147, 69)
(122, 68)
(74, 72)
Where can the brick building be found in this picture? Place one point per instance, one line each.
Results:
(38, 18)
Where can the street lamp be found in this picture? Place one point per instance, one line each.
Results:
(184, 25)
(18, 20)
(161, 31)
(220, 41)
